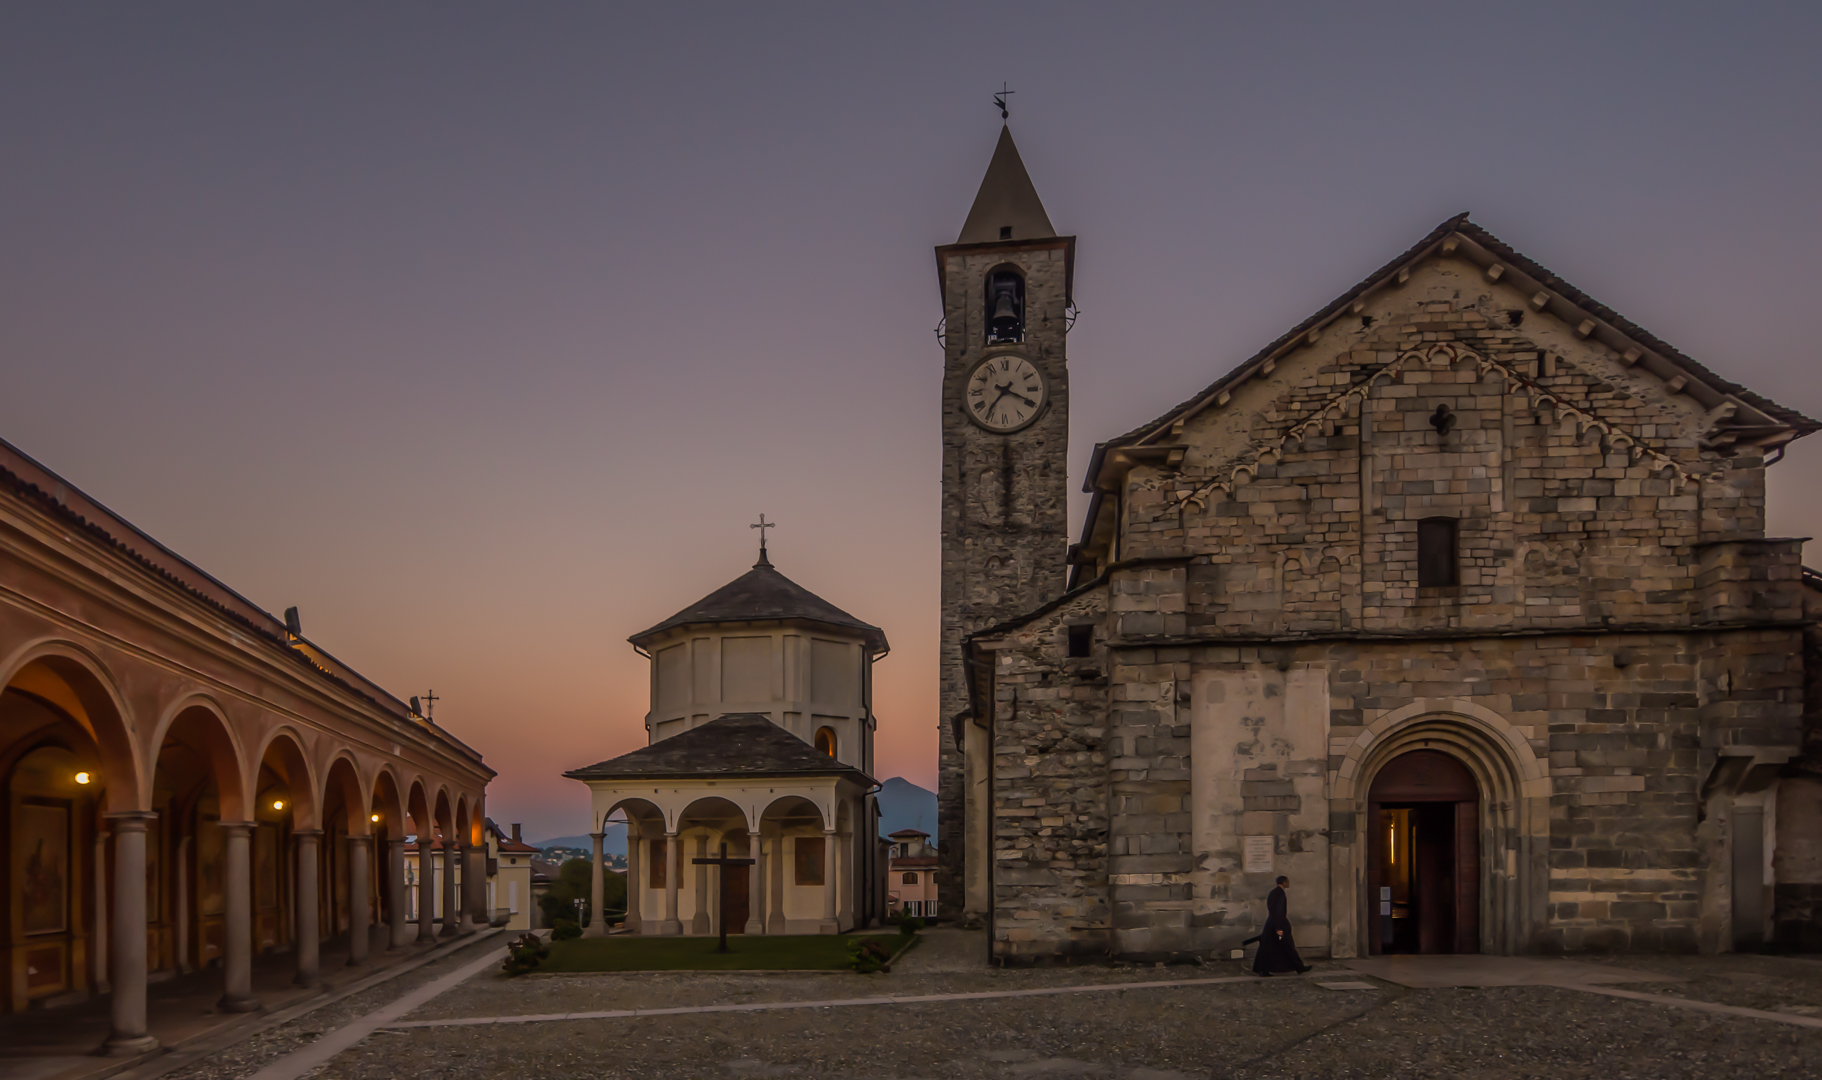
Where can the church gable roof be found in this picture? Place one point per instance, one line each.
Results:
(1007, 199)
(763, 594)
(1754, 418)
(734, 744)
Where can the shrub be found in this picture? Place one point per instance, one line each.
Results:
(867, 955)
(565, 930)
(910, 925)
(525, 953)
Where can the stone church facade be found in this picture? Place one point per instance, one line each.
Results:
(1454, 604)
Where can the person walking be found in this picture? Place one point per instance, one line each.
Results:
(1277, 949)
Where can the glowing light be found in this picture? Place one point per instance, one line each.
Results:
(278, 804)
(82, 778)
(375, 817)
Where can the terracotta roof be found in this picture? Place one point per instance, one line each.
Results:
(908, 832)
(734, 744)
(507, 843)
(763, 594)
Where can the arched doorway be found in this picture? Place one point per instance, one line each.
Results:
(1424, 852)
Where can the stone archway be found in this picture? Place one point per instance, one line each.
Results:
(1514, 819)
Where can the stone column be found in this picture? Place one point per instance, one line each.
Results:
(237, 933)
(181, 917)
(775, 917)
(98, 942)
(398, 913)
(360, 915)
(699, 923)
(305, 903)
(427, 892)
(128, 1035)
(597, 889)
(452, 910)
(474, 887)
(634, 883)
(755, 884)
(829, 887)
(673, 869)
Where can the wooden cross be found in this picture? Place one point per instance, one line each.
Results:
(430, 704)
(762, 527)
(721, 898)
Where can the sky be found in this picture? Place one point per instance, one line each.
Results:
(481, 332)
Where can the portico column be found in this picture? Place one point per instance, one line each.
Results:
(237, 934)
(829, 925)
(397, 915)
(673, 858)
(775, 917)
(181, 917)
(452, 911)
(474, 887)
(360, 916)
(427, 892)
(129, 1035)
(700, 924)
(755, 885)
(304, 902)
(634, 883)
(597, 888)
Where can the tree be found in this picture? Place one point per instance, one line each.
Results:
(573, 884)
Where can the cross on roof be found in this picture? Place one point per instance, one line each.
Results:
(430, 703)
(999, 100)
(762, 526)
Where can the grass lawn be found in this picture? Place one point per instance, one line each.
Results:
(815, 952)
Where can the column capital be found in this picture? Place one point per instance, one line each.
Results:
(397, 841)
(244, 827)
(306, 834)
(131, 820)
(597, 835)
(361, 839)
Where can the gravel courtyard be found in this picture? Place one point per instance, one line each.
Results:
(1212, 1027)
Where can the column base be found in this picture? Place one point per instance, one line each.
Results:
(448, 931)
(128, 1045)
(828, 926)
(670, 928)
(238, 1004)
(700, 926)
(777, 925)
(307, 981)
(595, 929)
(753, 928)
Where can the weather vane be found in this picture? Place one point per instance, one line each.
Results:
(999, 101)
(762, 527)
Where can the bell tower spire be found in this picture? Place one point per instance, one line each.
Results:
(1006, 289)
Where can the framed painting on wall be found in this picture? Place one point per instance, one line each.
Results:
(41, 839)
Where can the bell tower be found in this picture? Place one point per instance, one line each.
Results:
(1006, 311)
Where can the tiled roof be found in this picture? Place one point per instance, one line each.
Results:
(763, 594)
(734, 744)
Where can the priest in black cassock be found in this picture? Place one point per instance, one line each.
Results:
(1277, 951)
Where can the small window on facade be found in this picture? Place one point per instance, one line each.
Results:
(809, 860)
(909, 879)
(1436, 553)
(1081, 640)
(825, 740)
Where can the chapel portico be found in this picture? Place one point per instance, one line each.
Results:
(761, 737)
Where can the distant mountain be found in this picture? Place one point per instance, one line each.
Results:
(904, 805)
(614, 843)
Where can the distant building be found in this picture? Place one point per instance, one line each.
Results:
(509, 874)
(911, 875)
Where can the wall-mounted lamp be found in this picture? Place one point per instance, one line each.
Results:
(375, 817)
(82, 778)
(278, 804)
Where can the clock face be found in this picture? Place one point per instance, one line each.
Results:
(1004, 393)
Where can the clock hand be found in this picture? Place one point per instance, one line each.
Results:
(1007, 390)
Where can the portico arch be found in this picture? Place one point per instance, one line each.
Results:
(704, 825)
(79, 687)
(1514, 818)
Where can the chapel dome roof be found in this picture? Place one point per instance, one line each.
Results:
(762, 594)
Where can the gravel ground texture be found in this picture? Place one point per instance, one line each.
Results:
(1278, 1028)
(246, 1057)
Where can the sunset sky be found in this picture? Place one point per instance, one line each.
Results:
(481, 332)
